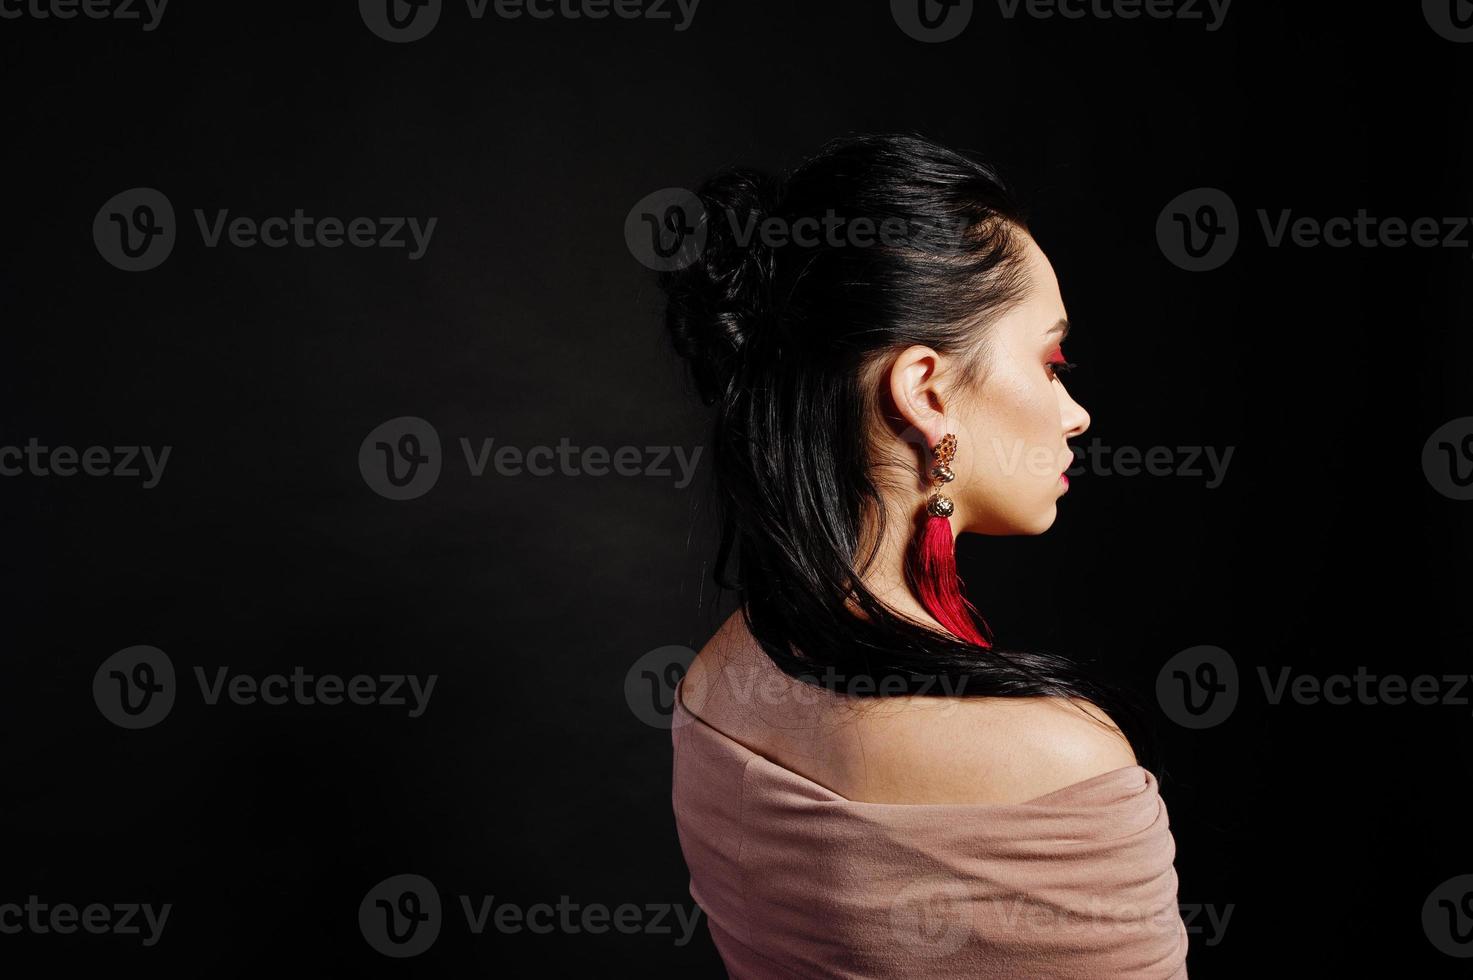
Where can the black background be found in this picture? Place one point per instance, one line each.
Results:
(529, 321)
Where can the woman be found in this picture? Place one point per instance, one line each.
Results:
(865, 783)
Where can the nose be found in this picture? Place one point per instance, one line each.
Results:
(1075, 418)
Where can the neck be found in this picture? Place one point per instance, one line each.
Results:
(885, 576)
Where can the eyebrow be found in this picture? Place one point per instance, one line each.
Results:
(1062, 326)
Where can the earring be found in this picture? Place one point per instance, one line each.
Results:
(933, 559)
(940, 505)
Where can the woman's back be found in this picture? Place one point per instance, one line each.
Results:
(885, 837)
(898, 749)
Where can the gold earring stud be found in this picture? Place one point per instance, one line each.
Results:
(940, 505)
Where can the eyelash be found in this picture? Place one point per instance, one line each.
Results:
(1058, 366)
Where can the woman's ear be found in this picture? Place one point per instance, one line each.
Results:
(916, 393)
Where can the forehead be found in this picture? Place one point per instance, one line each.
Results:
(1041, 305)
(1043, 284)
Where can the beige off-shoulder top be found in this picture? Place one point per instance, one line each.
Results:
(797, 881)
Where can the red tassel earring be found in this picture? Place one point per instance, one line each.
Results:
(933, 567)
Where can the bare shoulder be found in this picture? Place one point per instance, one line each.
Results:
(909, 749)
(727, 650)
(982, 750)
(732, 684)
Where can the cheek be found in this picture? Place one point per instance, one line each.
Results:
(1016, 431)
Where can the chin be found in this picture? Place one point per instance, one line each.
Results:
(1040, 521)
(1018, 524)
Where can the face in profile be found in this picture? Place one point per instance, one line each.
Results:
(1013, 431)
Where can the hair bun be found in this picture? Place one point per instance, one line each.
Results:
(721, 300)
